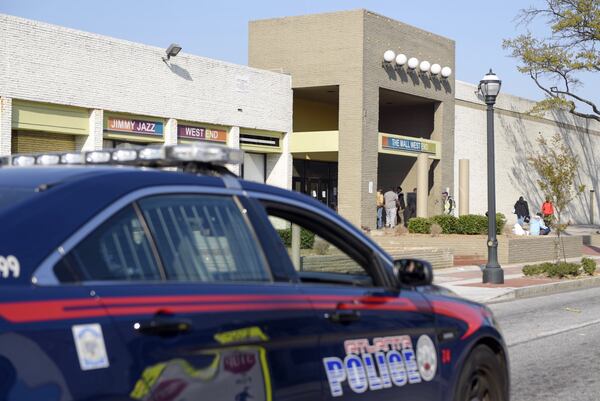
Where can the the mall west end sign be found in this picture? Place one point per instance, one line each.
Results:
(396, 144)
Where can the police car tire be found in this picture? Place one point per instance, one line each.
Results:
(483, 377)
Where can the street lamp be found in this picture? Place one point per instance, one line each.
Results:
(489, 87)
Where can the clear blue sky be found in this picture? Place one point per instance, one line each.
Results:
(219, 29)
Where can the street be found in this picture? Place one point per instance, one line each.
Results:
(553, 345)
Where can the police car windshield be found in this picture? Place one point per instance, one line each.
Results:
(12, 196)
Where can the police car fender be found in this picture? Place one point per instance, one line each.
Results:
(389, 361)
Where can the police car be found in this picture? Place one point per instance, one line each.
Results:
(155, 274)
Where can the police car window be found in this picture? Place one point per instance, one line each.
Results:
(204, 238)
(318, 255)
(118, 250)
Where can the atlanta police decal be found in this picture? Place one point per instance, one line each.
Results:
(389, 361)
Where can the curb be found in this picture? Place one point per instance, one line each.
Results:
(546, 289)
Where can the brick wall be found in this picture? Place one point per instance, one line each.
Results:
(65, 66)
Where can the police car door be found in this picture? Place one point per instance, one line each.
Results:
(195, 302)
(371, 332)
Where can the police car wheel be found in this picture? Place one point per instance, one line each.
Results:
(483, 377)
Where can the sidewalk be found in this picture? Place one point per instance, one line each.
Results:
(466, 282)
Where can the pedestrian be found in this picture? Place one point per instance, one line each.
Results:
(390, 202)
(401, 205)
(534, 225)
(548, 211)
(380, 205)
(449, 203)
(522, 211)
(544, 229)
(411, 206)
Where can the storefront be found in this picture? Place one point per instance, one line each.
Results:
(122, 130)
(259, 147)
(42, 127)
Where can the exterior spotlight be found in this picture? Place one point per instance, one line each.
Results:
(401, 59)
(413, 62)
(424, 66)
(446, 72)
(172, 51)
(389, 56)
(435, 69)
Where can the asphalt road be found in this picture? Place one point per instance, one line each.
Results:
(554, 346)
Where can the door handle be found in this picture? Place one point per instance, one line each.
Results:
(343, 316)
(163, 326)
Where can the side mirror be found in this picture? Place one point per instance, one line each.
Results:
(413, 272)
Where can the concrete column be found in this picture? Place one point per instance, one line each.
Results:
(93, 141)
(5, 125)
(171, 132)
(233, 141)
(357, 156)
(422, 184)
(279, 165)
(463, 187)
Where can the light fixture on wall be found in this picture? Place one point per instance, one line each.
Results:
(172, 51)
(413, 62)
(424, 66)
(446, 72)
(401, 59)
(435, 69)
(389, 56)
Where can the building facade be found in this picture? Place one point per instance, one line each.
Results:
(64, 90)
(361, 123)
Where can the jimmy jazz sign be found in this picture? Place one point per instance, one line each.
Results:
(135, 126)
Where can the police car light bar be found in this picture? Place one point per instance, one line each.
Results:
(149, 156)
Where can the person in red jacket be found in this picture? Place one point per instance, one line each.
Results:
(548, 211)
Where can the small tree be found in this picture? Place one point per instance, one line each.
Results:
(557, 167)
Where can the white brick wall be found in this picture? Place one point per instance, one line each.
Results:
(515, 139)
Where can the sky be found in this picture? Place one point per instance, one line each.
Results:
(219, 29)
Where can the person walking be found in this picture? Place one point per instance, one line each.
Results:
(448, 202)
(401, 205)
(548, 211)
(380, 204)
(390, 201)
(522, 211)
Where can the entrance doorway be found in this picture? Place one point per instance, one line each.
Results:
(317, 179)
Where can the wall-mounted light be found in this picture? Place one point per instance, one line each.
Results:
(446, 72)
(401, 59)
(435, 69)
(172, 51)
(389, 56)
(424, 66)
(413, 62)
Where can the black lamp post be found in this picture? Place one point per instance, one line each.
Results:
(489, 87)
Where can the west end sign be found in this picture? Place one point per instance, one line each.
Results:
(206, 134)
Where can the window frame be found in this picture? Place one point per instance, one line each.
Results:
(44, 274)
(378, 265)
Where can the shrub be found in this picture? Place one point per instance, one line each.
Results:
(559, 270)
(321, 246)
(435, 230)
(562, 269)
(500, 223)
(449, 224)
(472, 224)
(419, 225)
(589, 266)
(534, 270)
(307, 238)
